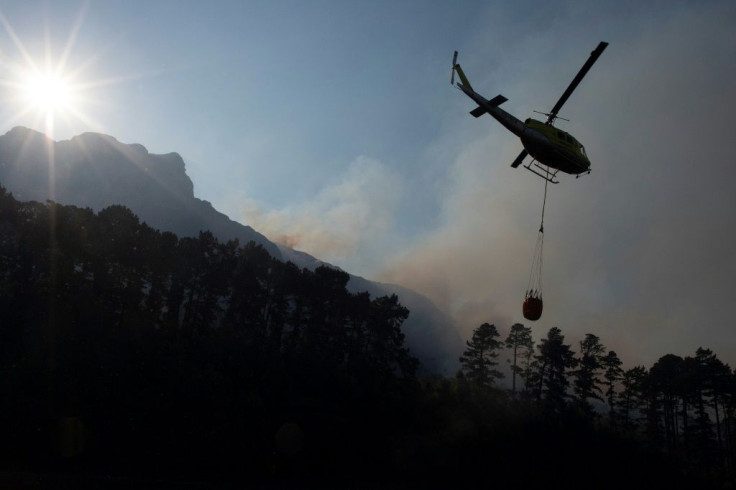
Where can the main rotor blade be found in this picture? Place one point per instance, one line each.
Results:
(454, 64)
(576, 81)
(520, 158)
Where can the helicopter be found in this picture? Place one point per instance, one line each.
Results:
(557, 150)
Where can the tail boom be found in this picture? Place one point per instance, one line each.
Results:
(491, 107)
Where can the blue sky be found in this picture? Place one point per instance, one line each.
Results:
(332, 126)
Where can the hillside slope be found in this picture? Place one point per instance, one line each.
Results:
(95, 170)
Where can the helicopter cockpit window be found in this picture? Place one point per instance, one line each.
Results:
(582, 150)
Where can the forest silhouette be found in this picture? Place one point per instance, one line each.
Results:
(132, 358)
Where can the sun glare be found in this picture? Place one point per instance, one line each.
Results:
(49, 96)
(49, 92)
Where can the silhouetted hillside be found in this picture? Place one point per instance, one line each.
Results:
(96, 171)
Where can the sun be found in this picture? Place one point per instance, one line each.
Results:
(50, 92)
(50, 89)
(48, 95)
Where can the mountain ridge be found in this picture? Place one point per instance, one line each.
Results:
(95, 170)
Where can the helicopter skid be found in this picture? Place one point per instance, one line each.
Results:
(544, 172)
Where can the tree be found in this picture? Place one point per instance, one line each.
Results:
(708, 373)
(478, 360)
(664, 389)
(632, 398)
(255, 303)
(209, 268)
(612, 373)
(386, 340)
(519, 341)
(120, 262)
(554, 360)
(587, 384)
(716, 376)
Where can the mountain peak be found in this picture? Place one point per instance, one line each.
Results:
(22, 134)
(96, 170)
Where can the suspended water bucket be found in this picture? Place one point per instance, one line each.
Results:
(532, 308)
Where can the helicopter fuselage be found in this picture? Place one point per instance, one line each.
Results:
(547, 144)
(553, 147)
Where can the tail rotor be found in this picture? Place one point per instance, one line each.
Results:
(456, 69)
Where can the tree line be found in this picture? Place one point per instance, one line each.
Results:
(127, 351)
(119, 343)
(683, 406)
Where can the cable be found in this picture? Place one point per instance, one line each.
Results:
(535, 274)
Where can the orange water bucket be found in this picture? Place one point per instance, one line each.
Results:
(532, 308)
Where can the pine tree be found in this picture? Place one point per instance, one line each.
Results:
(716, 377)
(707, 369)
(554, 361)
(612, 374)
(385, 346)
(664, 390)
(478, 361)
(587, 384)
(632, 398)
(520, 342)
